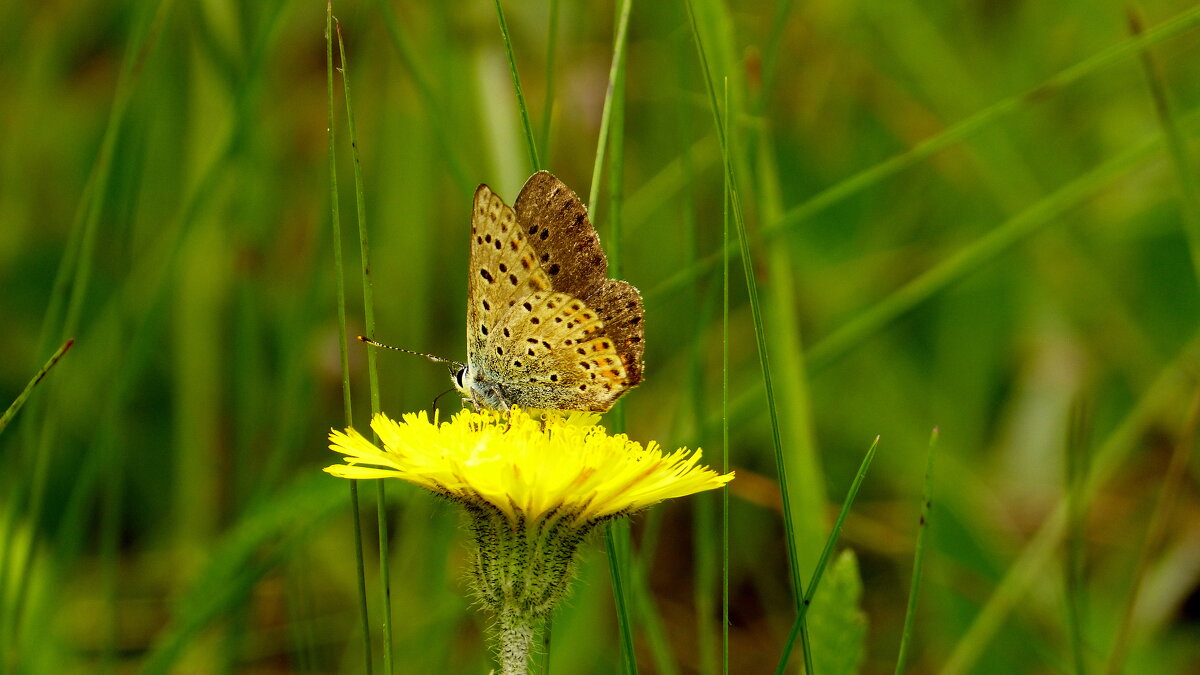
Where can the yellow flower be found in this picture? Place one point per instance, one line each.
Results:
(525, 467)
(533, 489)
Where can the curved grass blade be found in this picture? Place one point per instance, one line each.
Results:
(433, 108)
(548, 101)
(823, 561)
(1156, 532)
(725, 411)
(277, 525)
(971, 257)
(20, 400)
(372, 370)
(1177, 147)
(875, 174)
(1173, 382)
(617, 540)
(914, 587)
(71, 283)
(343, 342)
(759, 333)
(530, 142)
(618, 66)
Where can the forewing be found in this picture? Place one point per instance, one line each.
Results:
(556, 223)
(503, 269)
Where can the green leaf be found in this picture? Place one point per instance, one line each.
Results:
(836, 622)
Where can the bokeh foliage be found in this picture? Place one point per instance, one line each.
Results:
(973, 216)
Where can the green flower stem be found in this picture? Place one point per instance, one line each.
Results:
(517, 630)
(521, 572)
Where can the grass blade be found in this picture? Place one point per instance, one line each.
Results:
(1078, 440)
(433, 108)
(72, 280)
(1176, 145)
(823, 561)
(618, 66)
(530, 142)
(20, 400)
(797, 430)
(706, 582)
(618, 542)
(343, 341)
(971, 257)
(1156, 530)
(954, 134)
(759, 333)
(1173, 383)
(372, 370)
(548, 101)
(728, 189)
(914, 588)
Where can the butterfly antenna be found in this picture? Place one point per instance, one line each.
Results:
(431, 357)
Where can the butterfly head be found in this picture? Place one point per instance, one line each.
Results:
(480, 392)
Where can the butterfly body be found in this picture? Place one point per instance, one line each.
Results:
(546, 328)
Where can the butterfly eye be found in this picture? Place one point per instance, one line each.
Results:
(458, 377)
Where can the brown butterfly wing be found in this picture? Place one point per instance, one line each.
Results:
(555, 223)
(620, 307)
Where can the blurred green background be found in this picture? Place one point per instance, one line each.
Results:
(973, 216)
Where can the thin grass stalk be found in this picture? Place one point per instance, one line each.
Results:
(372, 370)
(798, 625)
(1156, 534)
(874, 175)
(548, 100)
(434, 110)
(1173, 382)
(343, 341)
(1078, 440)
(148, 272)
(616, 197)
(970, 258)
(640, 598)
(914, 587)
(1177, 146)
(9, 530)
(530, 141)
(618, 65)
(760, 334)
(706, 585)
(111, 501)
(616, 545)
(962, 263)
(617, 539)
(725, 408)
(266, 535)
(39, 445)
(770, 54)
(785, 335)
(18, 402)
(651, 627)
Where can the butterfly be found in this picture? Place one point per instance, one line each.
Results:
(546, 327)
